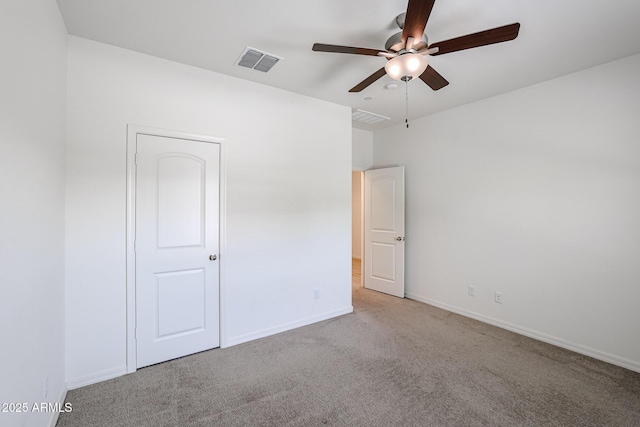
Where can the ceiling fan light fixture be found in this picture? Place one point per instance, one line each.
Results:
(406, 66)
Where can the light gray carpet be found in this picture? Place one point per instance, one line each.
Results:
(393, 362)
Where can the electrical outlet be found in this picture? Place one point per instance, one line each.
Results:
(471, 290)
(499, 297)
(45, 387)
(316, 293)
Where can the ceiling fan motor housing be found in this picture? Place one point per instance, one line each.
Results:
(395, 44)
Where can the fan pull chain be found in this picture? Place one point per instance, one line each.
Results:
(406, 106)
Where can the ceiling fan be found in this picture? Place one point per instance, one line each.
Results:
(407, 52)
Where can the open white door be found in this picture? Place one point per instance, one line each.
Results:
(176, 247)
(384, 230)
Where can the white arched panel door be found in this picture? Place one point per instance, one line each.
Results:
(384, 230)
(176, 247)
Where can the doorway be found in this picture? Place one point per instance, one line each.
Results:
(357, 227)
(378, 229)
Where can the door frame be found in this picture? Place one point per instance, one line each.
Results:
(132, 133)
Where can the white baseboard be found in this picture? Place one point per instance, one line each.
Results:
(122, 370)
(587, 351)
(287, 326)
(55, 414)
(96, 377)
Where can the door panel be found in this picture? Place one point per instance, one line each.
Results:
(383, 199)
(384, 267)
(180, 297)
(180, 201)
(384, 230)
(177, 229)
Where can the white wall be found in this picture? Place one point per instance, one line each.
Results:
(536, 194)
(356, 214)
(32, 131)
(288, 197)
(362, 149)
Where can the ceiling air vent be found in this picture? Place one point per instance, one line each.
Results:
(257, 59)
(367, 117)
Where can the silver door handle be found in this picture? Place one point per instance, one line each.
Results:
(213, 257)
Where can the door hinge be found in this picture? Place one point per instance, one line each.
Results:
(135, 333)
(134, 245)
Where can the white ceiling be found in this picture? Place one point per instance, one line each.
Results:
(557, 37)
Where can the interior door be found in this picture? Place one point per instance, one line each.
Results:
(176, 247)
(384, 230)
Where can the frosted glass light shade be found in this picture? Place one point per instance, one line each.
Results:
(406, 67)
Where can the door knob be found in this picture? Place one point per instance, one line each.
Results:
(399, 239)
(213, 257)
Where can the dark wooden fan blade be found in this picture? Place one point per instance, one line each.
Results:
(483, 38)
(366, 82)
(319, 47)
(433, 78)
(415, 20)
